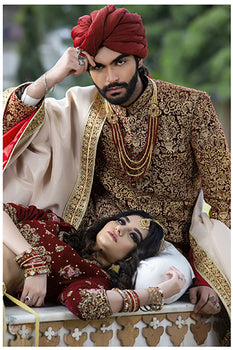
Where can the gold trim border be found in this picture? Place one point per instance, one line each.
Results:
(78, 201)
(211, 273)
(36, 121)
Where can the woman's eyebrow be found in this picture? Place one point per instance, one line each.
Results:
(135, 229)
(126, 218)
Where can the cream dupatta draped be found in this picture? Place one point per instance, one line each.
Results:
(52, 162)
(211, 244)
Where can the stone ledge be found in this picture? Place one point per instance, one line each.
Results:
(174, 325)
(16, 315)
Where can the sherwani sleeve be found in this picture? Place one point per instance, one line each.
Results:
(15, 110)
(213, 159)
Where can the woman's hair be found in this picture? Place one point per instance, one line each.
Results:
(85, 241)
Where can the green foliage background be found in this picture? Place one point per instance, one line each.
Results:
(188, 44)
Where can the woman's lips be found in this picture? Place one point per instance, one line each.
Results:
(113, 235)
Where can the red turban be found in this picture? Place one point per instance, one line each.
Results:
(117, 29)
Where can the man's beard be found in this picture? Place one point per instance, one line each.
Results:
(130, 87)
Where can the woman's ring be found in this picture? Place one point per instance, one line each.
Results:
(180, 278)
(213, 300)
(27, 298)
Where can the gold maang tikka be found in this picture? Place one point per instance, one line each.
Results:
(145, 223)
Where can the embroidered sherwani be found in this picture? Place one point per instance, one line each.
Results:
(57, 158)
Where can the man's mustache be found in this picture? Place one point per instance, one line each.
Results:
(113, 85)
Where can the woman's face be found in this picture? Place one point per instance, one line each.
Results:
(118, 238)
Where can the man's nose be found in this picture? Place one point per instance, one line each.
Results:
(112, 77)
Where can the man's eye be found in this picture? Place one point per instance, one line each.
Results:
(135, 238)
(121, 62)
(97, 67)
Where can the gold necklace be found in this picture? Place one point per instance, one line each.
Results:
(135, 167)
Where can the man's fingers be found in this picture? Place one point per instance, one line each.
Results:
(193, 295)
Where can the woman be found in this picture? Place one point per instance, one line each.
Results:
(91, 273)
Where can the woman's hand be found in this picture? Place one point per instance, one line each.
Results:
(35, 289)
(174, 284)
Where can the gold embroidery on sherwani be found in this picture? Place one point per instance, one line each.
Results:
(211, 273)
(169, 188)
(16, 107)
(5, 100)
(78, 201)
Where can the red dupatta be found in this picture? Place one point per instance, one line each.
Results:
(11, 137)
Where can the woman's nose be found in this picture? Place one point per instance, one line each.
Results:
(119, 230)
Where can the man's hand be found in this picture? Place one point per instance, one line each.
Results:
(201, 296)
(68, 64)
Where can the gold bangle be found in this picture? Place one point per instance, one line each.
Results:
(134, 299)
(161, 296)
(155, 298)
(127, 303)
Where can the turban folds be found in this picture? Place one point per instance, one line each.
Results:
(117, 29)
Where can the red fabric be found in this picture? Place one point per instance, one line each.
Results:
(69, 271)
(117, 29)
(199, 280)
(11, 137)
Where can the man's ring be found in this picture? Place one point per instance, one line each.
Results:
(81, 57)
(213, 300)
(27, 298)
(180, 278)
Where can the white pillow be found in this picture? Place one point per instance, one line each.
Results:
(151, 272)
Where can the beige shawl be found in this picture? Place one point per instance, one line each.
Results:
(52, 164)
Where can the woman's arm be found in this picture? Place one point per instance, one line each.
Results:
(94, 301)
(12, 238)
(169, 288)
(35, 287)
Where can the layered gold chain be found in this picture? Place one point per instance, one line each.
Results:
(135, 167)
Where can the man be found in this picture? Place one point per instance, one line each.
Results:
(127, 142)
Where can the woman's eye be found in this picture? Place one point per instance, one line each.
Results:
(135, 238)
(121, 221)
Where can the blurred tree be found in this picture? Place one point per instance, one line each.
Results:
(188, 44)
(198, 55)
(30, 66)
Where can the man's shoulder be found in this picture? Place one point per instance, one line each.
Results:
(164, 86)
(83, 92)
